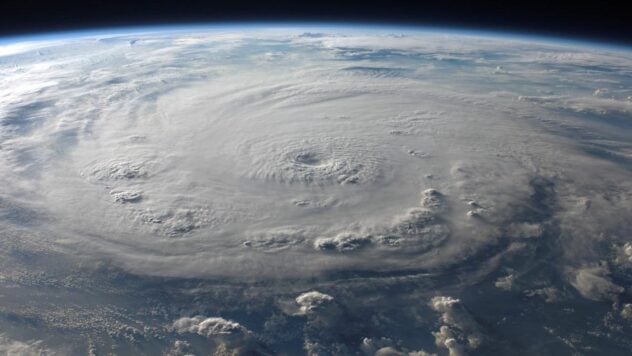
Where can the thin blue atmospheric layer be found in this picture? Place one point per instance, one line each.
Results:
(310, 26)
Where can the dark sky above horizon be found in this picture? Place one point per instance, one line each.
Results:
(605, 20)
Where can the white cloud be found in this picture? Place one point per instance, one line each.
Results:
(432, 199)
(209, 327)
(550, 294)
(386, 347)
(624, 254)
(505, 283)
(311, 301)
(343, 242)
(626, 311)
(459, 332)
(226, 337)
(595, 284)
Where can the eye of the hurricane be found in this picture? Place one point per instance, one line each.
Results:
(318, 161)
(311, 159)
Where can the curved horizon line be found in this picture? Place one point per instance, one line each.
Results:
(462, 30)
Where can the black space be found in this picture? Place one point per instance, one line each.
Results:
(604, 20)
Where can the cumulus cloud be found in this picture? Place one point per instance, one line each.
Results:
(126, 196)
(323, 316)
(550, 294)
(594, 283)
(432, 199)
(179, 348)
(624, 254)
(626, 311)
(209, 327)
(387, 347)
(226, 337)
(505, 283)
(277, 240)
(309, 302)
(459, 332)
(343, 242)
(420, 228)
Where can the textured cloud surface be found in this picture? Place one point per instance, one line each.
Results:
(289, 181)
